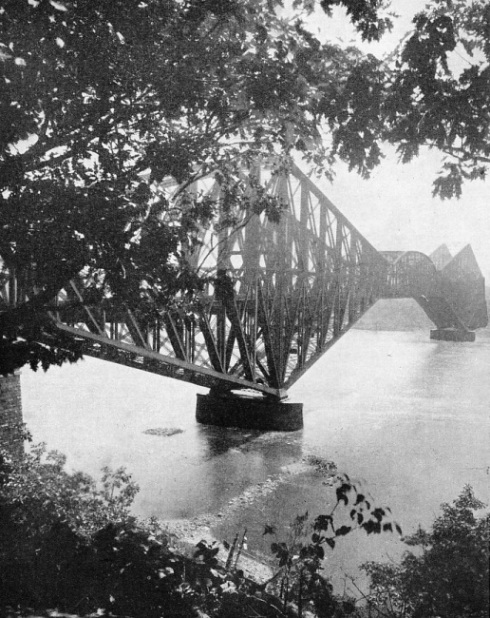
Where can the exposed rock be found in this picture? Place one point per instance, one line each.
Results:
(164, 431)
(188, 532)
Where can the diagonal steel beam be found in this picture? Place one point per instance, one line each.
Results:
(211, 343)
(174, 336)
(189, 372)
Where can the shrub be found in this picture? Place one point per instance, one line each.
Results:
(70, 544)
(66, 542)
(447, 576)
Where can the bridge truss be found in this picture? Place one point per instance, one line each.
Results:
(278, 296)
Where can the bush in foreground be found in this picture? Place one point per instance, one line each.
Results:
(67, 543)
(70, 544)
(447, 576)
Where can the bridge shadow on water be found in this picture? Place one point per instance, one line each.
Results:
(219, 440)
(279, 447)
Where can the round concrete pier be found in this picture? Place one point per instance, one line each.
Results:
(248, 413)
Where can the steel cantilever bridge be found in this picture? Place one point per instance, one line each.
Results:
(279, 295)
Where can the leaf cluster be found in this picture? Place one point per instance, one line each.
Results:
(438, 92)
(300, 560)
(446, 573)
(111, 111)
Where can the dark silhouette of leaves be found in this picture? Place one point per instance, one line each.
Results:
(322, 522)
(343, 530)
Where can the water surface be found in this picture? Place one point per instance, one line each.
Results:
(405, 417)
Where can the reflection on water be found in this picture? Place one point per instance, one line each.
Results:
(406, 416)
(220, 440)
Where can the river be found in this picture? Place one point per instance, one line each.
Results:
(405, 417)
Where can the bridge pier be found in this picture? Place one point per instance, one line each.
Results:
(248, 412)
(450, 334)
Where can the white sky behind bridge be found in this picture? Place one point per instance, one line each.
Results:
(395, 209)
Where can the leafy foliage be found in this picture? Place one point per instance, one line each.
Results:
(448, 574)
(70, 543)
(30, 339)
(101, 102)
(300, 560)
(48, 520)
(40, 479)
(438, 95)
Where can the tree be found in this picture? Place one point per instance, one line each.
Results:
(438, 94)
(448, 573)
(69, 543)
(101, 101)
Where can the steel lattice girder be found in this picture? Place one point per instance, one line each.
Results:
(279, 295)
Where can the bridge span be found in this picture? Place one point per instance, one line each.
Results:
(278, 296)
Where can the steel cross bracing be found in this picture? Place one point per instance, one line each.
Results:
(279, 295)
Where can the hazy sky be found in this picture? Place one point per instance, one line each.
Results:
(395, 209)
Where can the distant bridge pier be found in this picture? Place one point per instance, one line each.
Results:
(450, 334)
(248, 411)
(451, 290)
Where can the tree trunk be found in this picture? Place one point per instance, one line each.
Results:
(11, 421)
